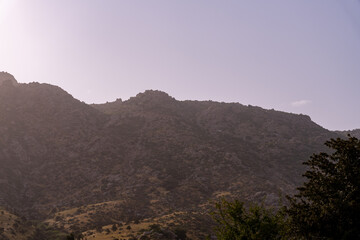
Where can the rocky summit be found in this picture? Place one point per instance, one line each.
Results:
(151, 161)
(4, 77)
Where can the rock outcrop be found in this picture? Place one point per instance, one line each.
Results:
(4, 77)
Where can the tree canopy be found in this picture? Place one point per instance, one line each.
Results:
(328, 204)
(235, 222)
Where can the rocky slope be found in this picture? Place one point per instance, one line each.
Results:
(150, 155)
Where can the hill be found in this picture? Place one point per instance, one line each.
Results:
(354, 133)
(76, 167)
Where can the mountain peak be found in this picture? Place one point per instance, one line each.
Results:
(5, 76)
(152, 96)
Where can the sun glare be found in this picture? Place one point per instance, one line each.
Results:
(5, 6)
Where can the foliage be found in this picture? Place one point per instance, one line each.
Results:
(180, 233)
(43, 232)
(328, 204)
(155, 227)
(70, 237)
(75, 236)
(114, 227)
(236, 222)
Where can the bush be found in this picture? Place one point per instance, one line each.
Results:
(114, 227)
(256, 222)
(155, 227)
(180, 234)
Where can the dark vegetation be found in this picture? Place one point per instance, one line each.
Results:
(256, 222)
(327, 206)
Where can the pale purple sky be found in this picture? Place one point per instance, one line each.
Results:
(296, 56)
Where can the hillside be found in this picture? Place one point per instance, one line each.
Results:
(354, 133)
(145, 158)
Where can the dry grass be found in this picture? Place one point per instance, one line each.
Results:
(11, 224)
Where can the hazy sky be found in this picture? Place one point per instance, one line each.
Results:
(296, 56)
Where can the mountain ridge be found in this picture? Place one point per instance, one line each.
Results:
(146, 157)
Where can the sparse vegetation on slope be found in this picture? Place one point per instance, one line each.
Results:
(151, 155)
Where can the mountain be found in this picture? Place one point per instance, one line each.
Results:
(76, 166)
(7, 77)
(354, 133)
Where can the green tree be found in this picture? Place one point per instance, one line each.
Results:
(328, 204)
(235, 222)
